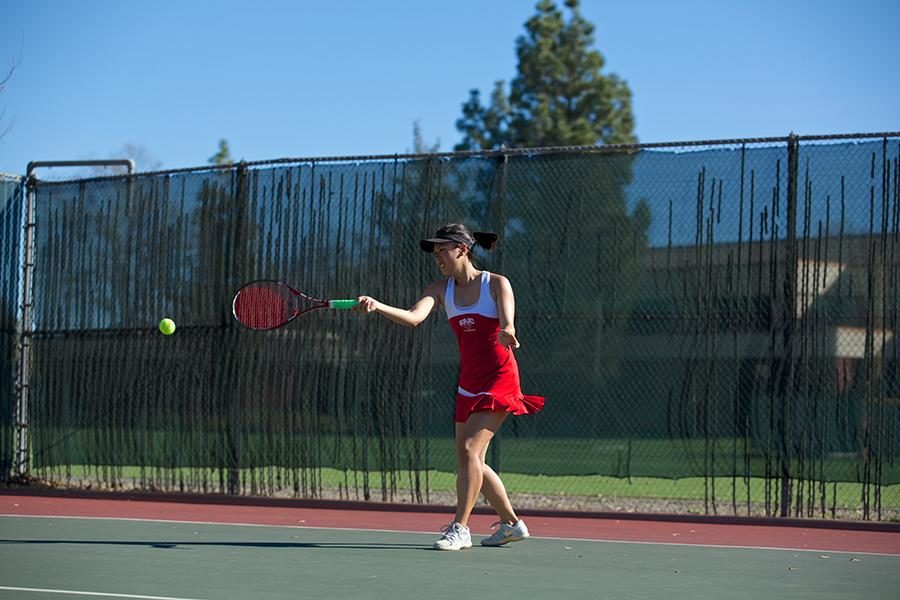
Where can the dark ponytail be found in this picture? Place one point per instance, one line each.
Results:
(486, 240)
(459, 233)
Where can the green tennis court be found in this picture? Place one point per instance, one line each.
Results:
(59, 557)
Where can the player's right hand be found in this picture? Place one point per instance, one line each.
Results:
(366, 304)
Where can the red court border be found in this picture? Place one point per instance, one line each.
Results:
(788, 534)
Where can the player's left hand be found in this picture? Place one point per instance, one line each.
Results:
(507, 340)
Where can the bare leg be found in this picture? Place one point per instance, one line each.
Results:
(495, 493)
(472, 438)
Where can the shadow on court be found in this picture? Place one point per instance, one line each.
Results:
(178, 545)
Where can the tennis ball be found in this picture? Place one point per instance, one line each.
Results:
(167, 326)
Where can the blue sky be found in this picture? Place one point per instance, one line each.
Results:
(304, 78)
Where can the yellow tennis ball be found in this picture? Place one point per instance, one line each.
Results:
(167, 326)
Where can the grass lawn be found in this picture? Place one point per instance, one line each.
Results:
(843, 495)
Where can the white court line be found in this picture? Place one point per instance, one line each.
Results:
(726, 546)
(542, 537)
(101, 594)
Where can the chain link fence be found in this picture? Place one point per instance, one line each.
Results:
(10, 268)
(712, 324)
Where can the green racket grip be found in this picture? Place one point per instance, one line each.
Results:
(342, 304)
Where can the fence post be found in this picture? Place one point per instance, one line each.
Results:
(498, 218)
(789, 322)
(26, 303)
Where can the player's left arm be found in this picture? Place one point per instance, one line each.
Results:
(506, 311)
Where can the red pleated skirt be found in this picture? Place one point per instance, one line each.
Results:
(515, 404)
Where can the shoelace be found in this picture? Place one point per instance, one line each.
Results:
(499, 534)
(451, 530)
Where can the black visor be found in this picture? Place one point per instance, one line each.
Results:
(443, 238)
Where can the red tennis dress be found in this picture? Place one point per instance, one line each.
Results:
(488, 374)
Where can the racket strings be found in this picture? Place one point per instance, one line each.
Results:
(263, 307)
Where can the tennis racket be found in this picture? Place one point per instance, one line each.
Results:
(264, 305)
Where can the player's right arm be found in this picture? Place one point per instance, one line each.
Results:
(410, 317)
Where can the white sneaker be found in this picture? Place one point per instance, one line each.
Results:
(507, 533)
(454, 537)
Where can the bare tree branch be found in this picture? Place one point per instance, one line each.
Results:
(9, 125)
(14, 63)
(9, 73)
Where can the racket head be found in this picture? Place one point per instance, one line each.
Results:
(264, 305)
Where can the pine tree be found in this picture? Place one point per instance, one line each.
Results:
(223, 156)
(559, 97)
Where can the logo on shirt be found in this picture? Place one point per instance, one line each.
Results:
(467, 324)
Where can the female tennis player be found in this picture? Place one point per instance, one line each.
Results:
(480, 307)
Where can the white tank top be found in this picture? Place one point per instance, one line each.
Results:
(485, 306)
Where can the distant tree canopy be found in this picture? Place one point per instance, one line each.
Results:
(419, 144)
(223, 155)
(144, 160)
(559, 97)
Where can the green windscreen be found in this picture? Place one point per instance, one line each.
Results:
(688, 311)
